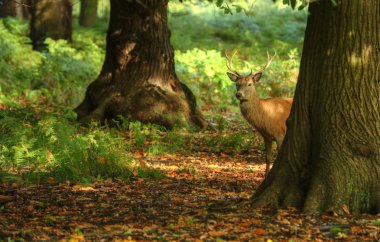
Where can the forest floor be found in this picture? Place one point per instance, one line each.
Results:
(204, 197)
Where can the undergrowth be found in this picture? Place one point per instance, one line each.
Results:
(38, 144)
(39, 135)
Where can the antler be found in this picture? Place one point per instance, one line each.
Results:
(270, 58)
(229, 61)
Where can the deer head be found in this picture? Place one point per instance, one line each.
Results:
(245, 85)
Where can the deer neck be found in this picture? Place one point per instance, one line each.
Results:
(253, 111)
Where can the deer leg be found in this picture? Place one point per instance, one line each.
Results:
(279, 141)
(268, 152)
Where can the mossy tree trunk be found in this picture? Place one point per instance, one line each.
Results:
(330, 159)
(50, 18)
(88, 12)
(13, 8)
(138, 78)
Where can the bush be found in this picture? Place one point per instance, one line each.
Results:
(63, 70)
(36, 144)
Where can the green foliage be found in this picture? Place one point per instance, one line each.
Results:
(265, 27)
(302, 3)
(155, 140)
(37, 145)
(205, 70)
(19, 64)
(63, 70)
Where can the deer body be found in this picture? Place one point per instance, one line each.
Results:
(267, 116)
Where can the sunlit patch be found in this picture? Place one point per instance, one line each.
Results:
(362, 58)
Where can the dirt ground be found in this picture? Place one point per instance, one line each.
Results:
(204, 197)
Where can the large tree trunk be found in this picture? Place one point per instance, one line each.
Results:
(138, 78)
(13, 8)
(330, 159)
(50, 18)
(88, 11)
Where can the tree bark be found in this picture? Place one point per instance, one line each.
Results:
(138, 77)
(11, 8)
(330, 158)
(88, 11)
(50, 18)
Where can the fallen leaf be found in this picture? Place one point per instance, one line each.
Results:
(82, 188)
(217, 233)
(260, 231)
(345, 209)
(5, 199)
(356, 229)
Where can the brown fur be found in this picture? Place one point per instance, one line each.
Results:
(267, 116)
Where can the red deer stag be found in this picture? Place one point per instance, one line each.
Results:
(267, 116)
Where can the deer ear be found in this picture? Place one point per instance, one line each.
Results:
(232, 76)
(256, 77)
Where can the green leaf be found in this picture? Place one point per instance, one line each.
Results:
(227, 11)
(219, 3)
(293, 3)
(302, 7)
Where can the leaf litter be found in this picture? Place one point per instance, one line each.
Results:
(204, 197)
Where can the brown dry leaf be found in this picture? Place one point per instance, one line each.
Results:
(138, 154)
(29, 209)
(259, 231)
(255, 221)
(296, 221)
(284, 221)
(177, 200)
(83, 225)
(217, 233)
(82, 188)
(356, 229)
(143, 165)
(325, 217)
(105, 205)
(77, 238)
(5, 199)
(181, 221)
(345, 209)
(115, 228)
(135, 172)
(245, 224)
(51, 180)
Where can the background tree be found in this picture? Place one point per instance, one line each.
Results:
(88, 12)
(138, 77)
(330, 159)
(50, 18)
(13, 9)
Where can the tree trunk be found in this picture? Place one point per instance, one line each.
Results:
(50, 18)
(88, 11)
(13, 8)
(330, 159)
(138, 78)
